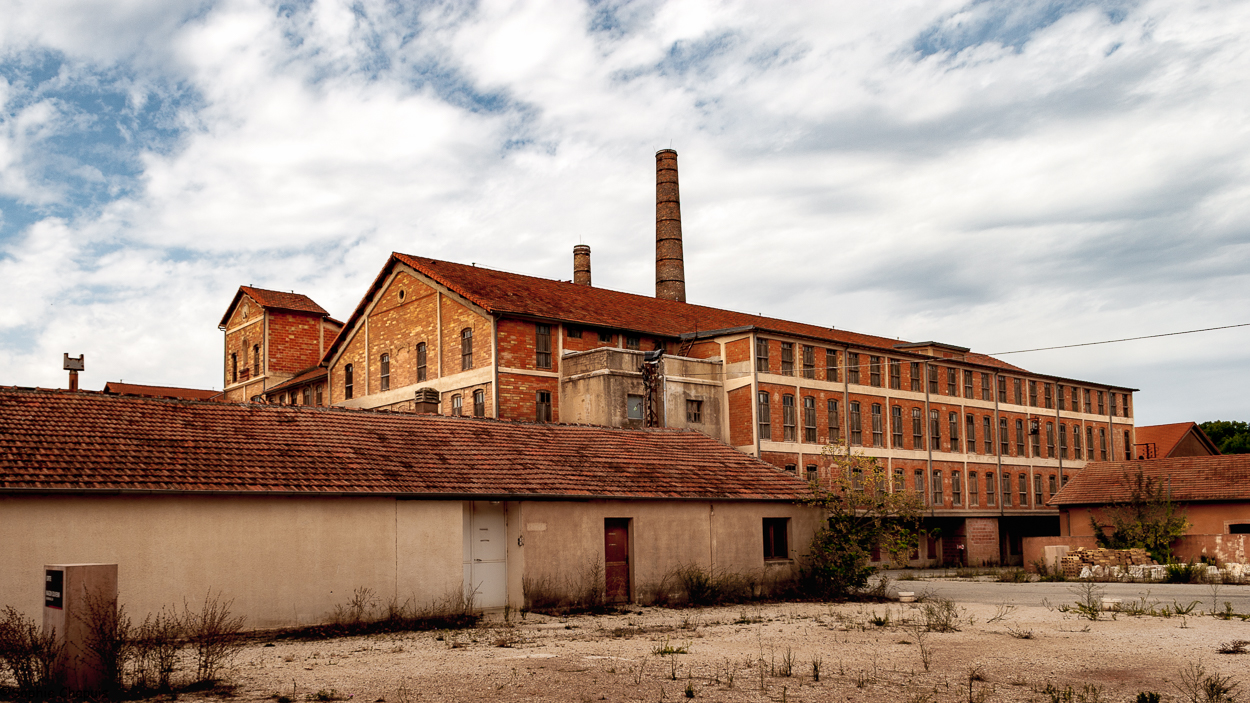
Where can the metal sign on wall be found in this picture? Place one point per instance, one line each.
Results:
(53, 588)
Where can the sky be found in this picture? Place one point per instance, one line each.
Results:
(996, 175)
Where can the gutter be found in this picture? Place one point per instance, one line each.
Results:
(798, 497)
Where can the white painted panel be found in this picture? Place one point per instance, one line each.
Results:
(485, 554)
(490, 584)
(489, 532)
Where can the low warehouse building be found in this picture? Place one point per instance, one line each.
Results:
(289, 510)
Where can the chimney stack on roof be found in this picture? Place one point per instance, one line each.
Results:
(670, 268)
(581, 265)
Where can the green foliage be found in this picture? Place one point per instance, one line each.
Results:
(1148, 520)
(861, 513)
(1231, 437)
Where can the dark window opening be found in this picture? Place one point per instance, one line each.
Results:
(896, 424)
(694, 411)
(765, 419)
(788, 418)
(761, 355)
(915, 376)
(809, 419)
(852, 367)
(479, 403)
(857, 434)
(384, 378)
(542, 346)
(878, 431)
(421, 368)
(457, 405)
(542, 406)
(776, 545)
(809, 362)
(835, 423)
(466, 349)
(633, 342)
(347, 381)
(831, 365)
(787, 358)
(874, 371)
(896, 374)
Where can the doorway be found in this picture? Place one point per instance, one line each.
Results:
(616, 558)
(485, 554)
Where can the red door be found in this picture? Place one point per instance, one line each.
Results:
(616, 551)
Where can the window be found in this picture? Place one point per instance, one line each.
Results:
(857, 435)
(573, 332)
(1019, 396)
(1004, 448)
(347, 382)
(1087, 403)
(1111, 397)
(457, 405)
(933, 379)
(831, 365)
(421, 362)
(809, 419)
(633, 407)
(792, 469)
(1006, 490)
(990, 489)
(809, 362)
(542, 406)
(763, 409)
(1035, 435)
(967, 384)
(787, 358)
(1002, 389)
(632, 341)
(874, 371)
(1076, 399)
(935, 431)
(857, 479)
(918, 485)
(986, 388)
(1102, 443)
(896, 374)
(788, 418)
(1049, 393)
(761, 355)
(694, 411)
(384, 378)
(320, 400)
(775, 544)
(917, 429)
(988, 434)
(308, 395)
(1053, 487)
(953, 420)
(1019, 437)
(957, 494)
(466, 348)
(878, 431)
(1063, 440)
(1022, 481)
(896, 424)
(1102, 408)
(835, 424)
(852, 367)
(1063, 404)
(1050, 440)
(900, 483)
(542, 346)
(479, 403)
(915, 376)
(1128, 448)
(974, 497)
(234, 368)
(256, 371)
(1089, 444)
(1124, 403)
(939, 497)
(812, 473)
(971, 439)
(952, 382)
(1037, 490)
(1076, 443)
(1033, 393)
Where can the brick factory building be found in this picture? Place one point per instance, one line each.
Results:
(986, 443)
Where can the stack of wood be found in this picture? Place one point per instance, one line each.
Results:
(1079, 558)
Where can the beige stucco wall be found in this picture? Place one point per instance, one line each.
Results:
(284, 561)
(564, 540)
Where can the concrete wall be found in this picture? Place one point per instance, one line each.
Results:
(1190, 548)
(284, 561)
(1204, 518)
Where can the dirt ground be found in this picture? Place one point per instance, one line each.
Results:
(754, 653)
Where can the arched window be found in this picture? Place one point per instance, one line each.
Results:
(466, 348)
(256, 371)
(347, 382)
(457, 405)
(479, 403)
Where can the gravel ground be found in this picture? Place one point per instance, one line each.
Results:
(739, 653)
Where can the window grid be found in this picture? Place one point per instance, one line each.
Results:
(990, 488)
(1022, 481)
(987, 388)
(917, 429)
(896, 424)
(421, 363)
(933, 379)
(878, 430)
(896, 374)
(939, 497)
(542, 346)
(971, 437)
(1033, 394)
(384, 378)
(809, 361)
(788, 420)
(874, 371)
(694, 411)
(857, 435)
(1019, 394)
(935, 431)
(542, 406)
(835, 423)
(967, 384)
(915, 376)
(1102, 443)
(974, 489)
(787, 358)
(952, 382)
(348, 381)
(987, 430)
(1050, 440)
(479, 403)
(1004, 447)
(761, 355)
(1019, 437)
(764, 410)
(809, 419)
(957, 497)
(953, 420)
(466, 349)
(457, 405)
(1063, 441)
(1002, 389)
(831, 365)
(852, 367)
(1035, 437)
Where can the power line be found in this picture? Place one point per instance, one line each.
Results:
(1126, 339)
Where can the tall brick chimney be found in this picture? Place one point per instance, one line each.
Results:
(670, 268)
(581, 265)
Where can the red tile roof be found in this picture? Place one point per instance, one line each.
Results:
(118, 388)
(1192, 478)
(530, 296)
(80, 442)
(1166, 437)
(274, 300)
(310, 374)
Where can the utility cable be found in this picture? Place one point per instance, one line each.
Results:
(1126, 339)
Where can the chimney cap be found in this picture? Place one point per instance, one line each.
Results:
(666, 151)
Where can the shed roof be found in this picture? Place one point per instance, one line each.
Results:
(1166, 437)
(1189, 479)
(83, 442)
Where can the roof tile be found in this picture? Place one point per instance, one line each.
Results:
(1191, 478)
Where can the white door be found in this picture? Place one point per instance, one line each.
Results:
(485, 554)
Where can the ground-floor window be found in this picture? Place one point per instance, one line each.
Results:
(776, 545)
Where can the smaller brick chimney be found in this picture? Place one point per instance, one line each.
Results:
(581, 265)
(426, 401)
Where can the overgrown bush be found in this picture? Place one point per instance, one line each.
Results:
(1148, 520)
(213, 635)
(27, 653)
(158, 644)
(109, 638)
(584, 592)
(1180, 572)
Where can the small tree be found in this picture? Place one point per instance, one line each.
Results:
(1149, 520)
(862, 512)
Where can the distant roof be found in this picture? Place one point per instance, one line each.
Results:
(1191, 478)
(1166, 437)
(86, 442)
(308, 374)
(274, 300)
(530, 296)
(119, 388)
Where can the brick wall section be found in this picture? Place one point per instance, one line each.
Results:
(518, 349)
(466, 395)
(240, 342)
(704, 350)
(517, 395)
(738, 350)
(741, 433)
(457, 317)
(589, 339)
(353, 353)
(397, 326)
(294, 342)
(781, 459)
